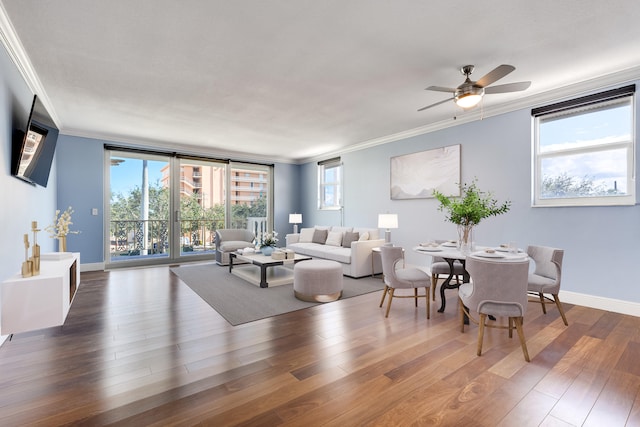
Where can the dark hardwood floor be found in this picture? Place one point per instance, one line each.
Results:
(140, 348)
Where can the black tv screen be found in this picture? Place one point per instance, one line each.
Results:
(34, 146)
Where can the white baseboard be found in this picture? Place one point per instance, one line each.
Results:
(601, 303)
(96, 266)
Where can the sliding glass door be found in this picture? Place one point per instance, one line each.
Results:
(167, 208)
(139, 207)
(202, 201)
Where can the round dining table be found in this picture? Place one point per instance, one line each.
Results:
(451, 253)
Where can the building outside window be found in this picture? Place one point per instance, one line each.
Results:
(584, 151)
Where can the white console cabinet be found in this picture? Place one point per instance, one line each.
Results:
(41, 301)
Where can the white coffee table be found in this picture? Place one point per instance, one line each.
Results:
(271, 270)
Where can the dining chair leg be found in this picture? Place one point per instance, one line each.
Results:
(523, 343)
(428, 301)
(483, 318)
(434, 283)
(384, 294)
(510, 327)
(415, 296)
(544, 307)
(461, 315)
(560, 309)
(389, 303)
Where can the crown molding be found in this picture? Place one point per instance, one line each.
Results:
(186, 149)
(18, 56)
(550, 96)
(16, 52)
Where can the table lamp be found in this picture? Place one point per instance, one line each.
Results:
(295, 219)
(387, 221)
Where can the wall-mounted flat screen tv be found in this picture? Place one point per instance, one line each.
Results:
(34, 146)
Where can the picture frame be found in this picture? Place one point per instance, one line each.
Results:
(417, 175)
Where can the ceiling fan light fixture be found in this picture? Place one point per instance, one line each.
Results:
(468, 98)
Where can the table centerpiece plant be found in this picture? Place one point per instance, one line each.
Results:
(469, 209)
(267, 242)
(60, 228)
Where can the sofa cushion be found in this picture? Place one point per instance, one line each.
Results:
(374, 233)
(319, 236)
(234, 245)
(364, 236)
(334, 253)
(349, 237)
(306, 235)
(334, 238)
(341, 229)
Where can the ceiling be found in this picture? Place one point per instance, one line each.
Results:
(295, 80)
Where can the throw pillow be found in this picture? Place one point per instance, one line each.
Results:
(306, 235)
(334, 238)
(364, 236)
(348, 238)
(341, 229)
(319, 236)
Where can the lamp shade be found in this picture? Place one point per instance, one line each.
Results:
(295, 218)
(387, 221)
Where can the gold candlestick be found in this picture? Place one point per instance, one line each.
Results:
(35, 250)
(27, 265)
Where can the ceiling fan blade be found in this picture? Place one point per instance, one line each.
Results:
(437, 103)
(442, 89)
(509, 87)
(496, 74)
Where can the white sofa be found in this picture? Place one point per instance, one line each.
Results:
(337, 244)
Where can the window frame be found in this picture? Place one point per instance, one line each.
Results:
(576, 107)
(323, 166)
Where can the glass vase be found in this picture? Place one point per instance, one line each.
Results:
(465, 238)
(62, 243)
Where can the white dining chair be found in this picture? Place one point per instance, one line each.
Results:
(402, 278)
(497, 288)
(547, 276)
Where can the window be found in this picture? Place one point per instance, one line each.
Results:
(584, 151)
(330, 184)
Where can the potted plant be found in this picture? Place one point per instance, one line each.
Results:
(469, 209)
(60, 228)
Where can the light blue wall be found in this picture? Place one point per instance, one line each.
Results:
(286, 198)
(602, 244)
(80, 185)
(21, 202)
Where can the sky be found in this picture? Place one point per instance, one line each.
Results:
(128, 174)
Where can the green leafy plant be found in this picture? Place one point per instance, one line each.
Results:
(472, 207)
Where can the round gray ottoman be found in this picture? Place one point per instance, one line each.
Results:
(317, 280)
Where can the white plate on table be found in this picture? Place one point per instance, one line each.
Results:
(430, 249)
(486, 254)
(501, 249)
(449, 244)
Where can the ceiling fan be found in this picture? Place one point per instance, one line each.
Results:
(470, 93)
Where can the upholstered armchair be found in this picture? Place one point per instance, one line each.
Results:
(497, 288)
(229, 240)
(547, 274)
(402, 278)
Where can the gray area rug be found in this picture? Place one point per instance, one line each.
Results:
(239, 301)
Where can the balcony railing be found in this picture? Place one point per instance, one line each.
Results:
(139, 238)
